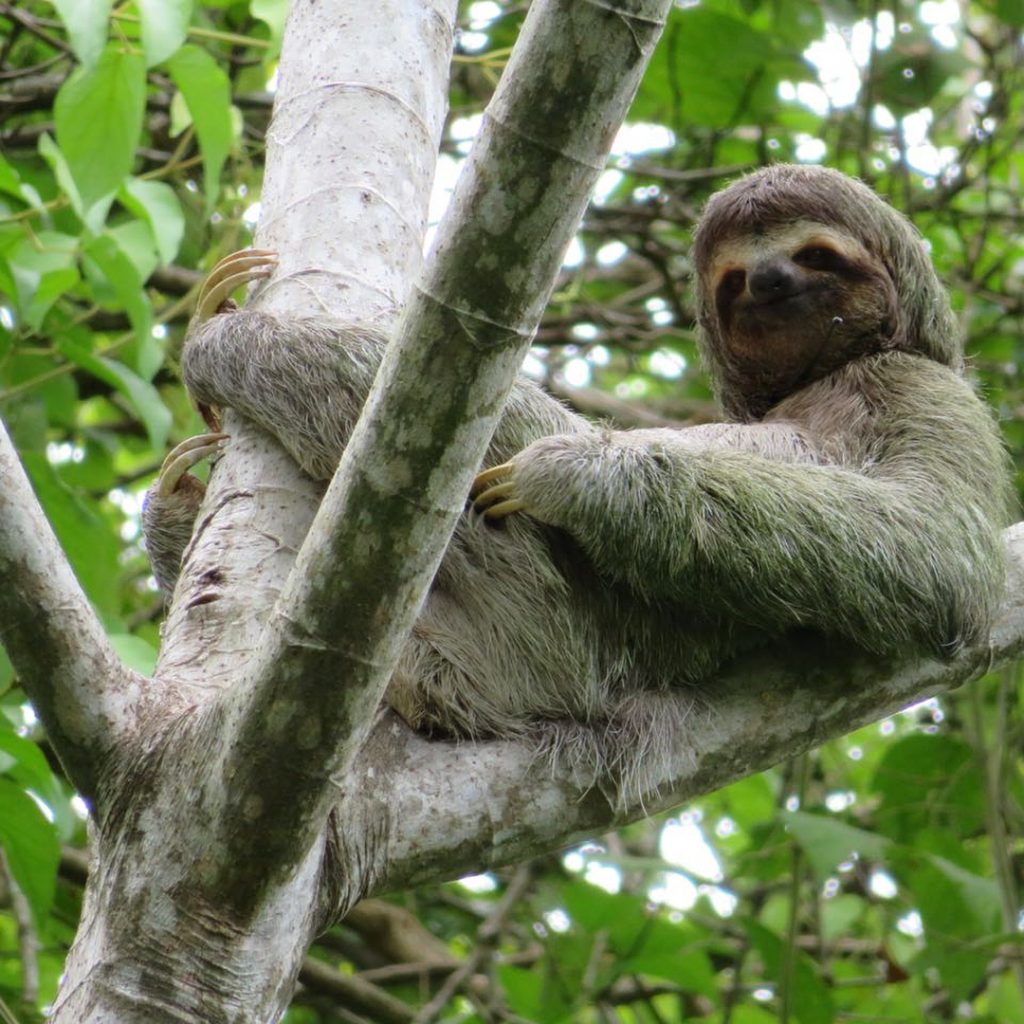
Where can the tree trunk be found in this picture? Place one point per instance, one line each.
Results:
(220, 844)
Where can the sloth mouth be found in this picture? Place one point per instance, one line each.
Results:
(778, 297)
(798, 311)
(771, 316)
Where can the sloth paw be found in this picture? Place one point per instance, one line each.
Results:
(230, 274)
(171, 506)
(494, 492)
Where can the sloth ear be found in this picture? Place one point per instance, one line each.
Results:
(923, 320)
(896, 330)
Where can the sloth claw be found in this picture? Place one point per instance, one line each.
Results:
(182, 457)
(229, 274)
(494, 493)
(487, 477)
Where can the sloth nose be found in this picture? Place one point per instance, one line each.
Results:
(772, 280)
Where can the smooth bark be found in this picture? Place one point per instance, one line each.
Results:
(85, 697)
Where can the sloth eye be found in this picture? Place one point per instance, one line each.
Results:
(819, 257)
(732, 284)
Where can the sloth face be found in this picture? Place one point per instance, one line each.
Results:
(793, 302)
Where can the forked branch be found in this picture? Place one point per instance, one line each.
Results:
(84, 695)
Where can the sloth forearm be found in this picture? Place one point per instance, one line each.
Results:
(790, 544)
(303, 380)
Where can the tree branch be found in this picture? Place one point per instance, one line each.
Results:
(83, 694)
(350, 157)
(351, 153)
(454, 808)
(384, 524)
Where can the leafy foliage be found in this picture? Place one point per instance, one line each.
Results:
(877, 878)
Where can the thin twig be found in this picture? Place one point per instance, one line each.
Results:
(789, 953)
(28, 941)
(486, 936)
(991, 760)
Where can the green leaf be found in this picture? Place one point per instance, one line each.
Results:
(750, 1014)
(50, 152)
(952, 901)
(164, 26)
(533, 996)
(810, 1000)
(6, 673)
(91, 547)
(43, 268)
(1011, 11)
(207, 93)
(912, 71)
(52, 403)
(51, 287)
(273, 14)
(645, 942)
(26, 763)
(30, 844)
(86, 22)
(98, 114)
(135, 240)
(624, 916)
(828, 842)
(750, 801)
(123, 275)
(522, 990)
(10, 182)
(928, 782)
(794, 23)
(144, 398)
(157, 204)
(134, 652)
(690, 970)
(95, 470)
(689, 83)
(961, 916)
(1006, 999)
(962, 969)
(840, 914)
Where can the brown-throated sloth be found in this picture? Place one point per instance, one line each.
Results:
(857, 491)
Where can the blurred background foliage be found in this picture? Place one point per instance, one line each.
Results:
(874, 879)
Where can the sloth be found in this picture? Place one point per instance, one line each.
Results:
(597, 576)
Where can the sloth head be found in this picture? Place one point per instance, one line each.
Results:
(801, 270)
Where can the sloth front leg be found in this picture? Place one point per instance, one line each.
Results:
(500, 491)
(171, 505)
(228, 275)
(302, 379)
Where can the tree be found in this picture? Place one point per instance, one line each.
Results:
(240, 802)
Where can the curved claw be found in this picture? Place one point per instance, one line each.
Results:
(231, 273)
(182, 457)
(486, 477)
(502, 508)
(493, 493)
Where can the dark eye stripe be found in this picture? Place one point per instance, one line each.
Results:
(732, 282)
(819, 257)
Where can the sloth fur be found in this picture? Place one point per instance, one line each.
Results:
(858, 491)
